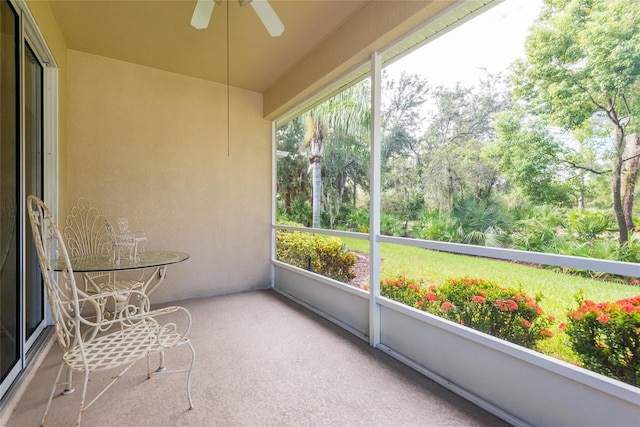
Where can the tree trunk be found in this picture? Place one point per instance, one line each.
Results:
(581, 203)
(630, 179)
(355, 191)
(317, 190)
(287, 202)
(616, 187)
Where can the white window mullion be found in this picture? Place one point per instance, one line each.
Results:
(374, 209)
(274, 199)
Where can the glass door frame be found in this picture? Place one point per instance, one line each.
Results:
(31, 35)
(29, 339)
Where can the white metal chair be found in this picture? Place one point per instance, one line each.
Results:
(89, 341)
(86, 232)
(126, 242)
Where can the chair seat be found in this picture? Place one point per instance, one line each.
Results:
(124, 346)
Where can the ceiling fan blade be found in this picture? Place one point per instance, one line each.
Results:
(268, 16)
(202, 14)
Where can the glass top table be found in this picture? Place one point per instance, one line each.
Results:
(96, 263)
(159, 260)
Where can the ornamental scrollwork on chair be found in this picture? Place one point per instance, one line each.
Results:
(84, 231)
(86, 234)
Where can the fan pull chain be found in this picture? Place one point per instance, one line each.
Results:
(228, 92)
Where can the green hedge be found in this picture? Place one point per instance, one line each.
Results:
(324, 255)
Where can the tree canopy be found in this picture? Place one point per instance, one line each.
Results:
(583, 57)
(558, 130)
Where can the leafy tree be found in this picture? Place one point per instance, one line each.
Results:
(583, 57)
(459, 129)
(589, 160)
(347, 113)
(401, 115)
(530, 158)
(402, 146)
(292, 166)
(345, 168)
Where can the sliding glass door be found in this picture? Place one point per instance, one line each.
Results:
(22, 165)
(9, 189)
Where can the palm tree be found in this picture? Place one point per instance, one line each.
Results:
(347, 113)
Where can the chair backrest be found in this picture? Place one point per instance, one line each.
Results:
(85, 232)
(61, 287)
(116, 239)
(123, 224)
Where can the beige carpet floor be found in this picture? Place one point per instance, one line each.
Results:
(261, 361)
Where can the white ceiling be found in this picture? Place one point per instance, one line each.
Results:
(158, 34)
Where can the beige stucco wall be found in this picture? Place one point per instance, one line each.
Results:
(152, 146)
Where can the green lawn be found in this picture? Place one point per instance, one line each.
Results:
(557, 290)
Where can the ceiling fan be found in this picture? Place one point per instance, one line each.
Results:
(204, 8)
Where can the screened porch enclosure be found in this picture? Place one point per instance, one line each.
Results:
(186, 154)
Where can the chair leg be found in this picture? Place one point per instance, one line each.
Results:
(53, 390)
(68, 387)
(193, 360)
(84, 394)
(148, 366)
(161, 367)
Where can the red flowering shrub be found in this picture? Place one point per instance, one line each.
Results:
(402, 289)
(502, 312)
(606, 337)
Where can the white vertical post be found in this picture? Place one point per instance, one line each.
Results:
(274, 200)
(374, 208)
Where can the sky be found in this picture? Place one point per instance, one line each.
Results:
(492, 40)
